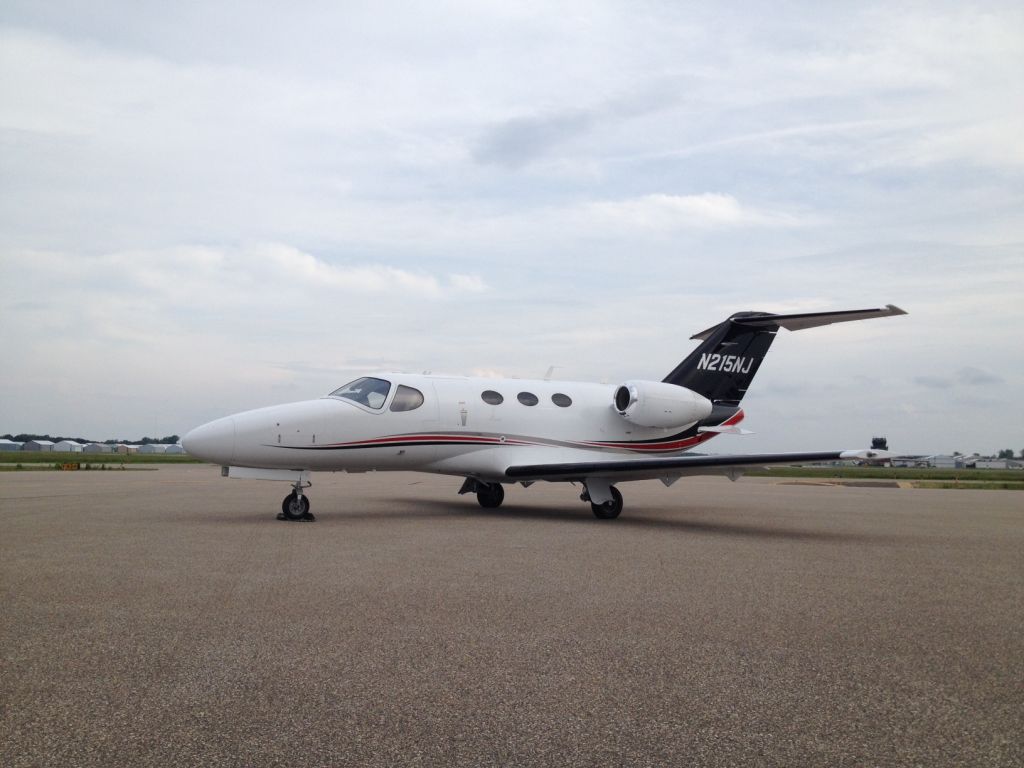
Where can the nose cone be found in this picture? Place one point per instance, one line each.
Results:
(213, 442)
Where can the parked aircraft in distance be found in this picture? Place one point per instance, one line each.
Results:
(494, 432)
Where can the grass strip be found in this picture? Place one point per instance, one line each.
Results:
(970, 485)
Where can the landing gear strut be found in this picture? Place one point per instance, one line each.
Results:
(296, 504)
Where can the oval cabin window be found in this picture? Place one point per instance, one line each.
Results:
(527, 398)
(562, 401)
(492, 398)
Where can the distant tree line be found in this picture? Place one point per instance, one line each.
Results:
(24, 437)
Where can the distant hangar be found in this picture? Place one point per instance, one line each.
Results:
(73, 446)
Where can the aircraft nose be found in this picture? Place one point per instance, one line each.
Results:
(213, 442)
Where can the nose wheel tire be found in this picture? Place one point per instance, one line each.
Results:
(295, 507)
(610, 509)
(491, 495)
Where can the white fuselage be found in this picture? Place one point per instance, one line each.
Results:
(453, 431)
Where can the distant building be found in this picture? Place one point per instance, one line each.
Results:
(153, 448)
(910, 461)
(68, 446)
(10, 445)
(98, 448)
(174, 449)
(946, 462)
(38, 445)
(125, 449)
(992, 464)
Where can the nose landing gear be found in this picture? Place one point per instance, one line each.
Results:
(295, 506)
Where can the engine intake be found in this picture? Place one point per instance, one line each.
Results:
(657, 404)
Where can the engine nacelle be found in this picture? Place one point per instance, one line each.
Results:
(657, 404)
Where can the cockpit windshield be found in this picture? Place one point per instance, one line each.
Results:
(366, 391)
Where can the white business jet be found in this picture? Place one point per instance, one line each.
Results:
(495, 432)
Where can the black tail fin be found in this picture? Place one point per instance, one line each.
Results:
(723, 367)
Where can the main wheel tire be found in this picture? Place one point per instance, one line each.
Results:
(295, 507)
(610, 509)
(491, 496)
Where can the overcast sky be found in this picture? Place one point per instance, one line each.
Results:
(208, 207)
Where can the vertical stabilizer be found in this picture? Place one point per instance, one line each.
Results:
(723, 367)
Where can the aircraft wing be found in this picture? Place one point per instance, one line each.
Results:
(675, 466)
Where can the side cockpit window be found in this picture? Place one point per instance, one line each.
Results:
(366, 391)
(406, 399)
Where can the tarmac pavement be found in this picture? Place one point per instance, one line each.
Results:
(166, 618)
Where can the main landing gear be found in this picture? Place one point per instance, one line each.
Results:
(489, 495)
(605, 499)
(295, 506)
(608, 509)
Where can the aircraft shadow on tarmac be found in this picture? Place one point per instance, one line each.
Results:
(425, 509)
(583, 516)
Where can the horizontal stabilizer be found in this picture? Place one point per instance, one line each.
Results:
(802, 320)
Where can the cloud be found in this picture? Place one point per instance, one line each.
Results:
(968, 376)
(933, 382)
(151, 307)
(224, 274)
(976, 377)
(668, 212)
(467, 283)
(516, 142)
(286, 263)
(519, 141)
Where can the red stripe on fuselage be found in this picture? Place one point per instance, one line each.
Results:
(670, 444)
(426, 438)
